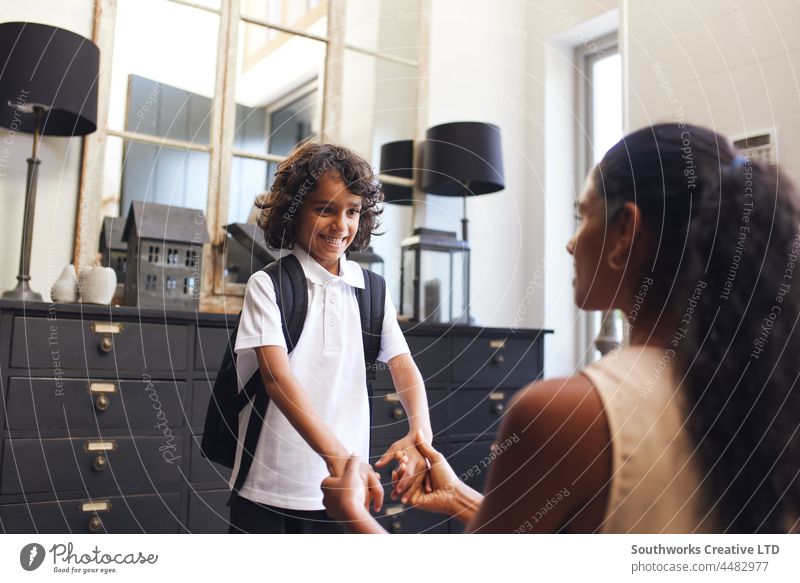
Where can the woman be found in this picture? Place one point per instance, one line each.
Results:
(693, 427)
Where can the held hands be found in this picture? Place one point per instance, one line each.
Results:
(410, 476)
(349, 488)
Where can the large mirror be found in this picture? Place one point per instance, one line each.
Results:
(205, 98)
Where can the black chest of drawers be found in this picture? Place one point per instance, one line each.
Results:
(103, 408)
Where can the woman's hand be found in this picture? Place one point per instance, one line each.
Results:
(443, 480)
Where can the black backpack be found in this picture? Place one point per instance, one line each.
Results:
(221, 428)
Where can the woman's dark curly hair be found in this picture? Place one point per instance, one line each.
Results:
(726, 226)
(298, 175)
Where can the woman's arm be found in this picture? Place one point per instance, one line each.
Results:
(293, 401)
(552, 462)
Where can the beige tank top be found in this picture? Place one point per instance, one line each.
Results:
(656, 474)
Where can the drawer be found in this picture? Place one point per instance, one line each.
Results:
(431, 355)
(95, 345)
(471, 461)
(204, 470)
(398, 519)
(389, 421)
(151, 513)
(209, 512)
(55, 465)
(46, 403)
(477, 411)
(201, 395)
(209, 347)
(496, 361)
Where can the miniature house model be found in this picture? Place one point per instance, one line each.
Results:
(114, 252)
(165, 255)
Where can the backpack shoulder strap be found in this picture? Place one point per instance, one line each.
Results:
(291, 293)
(371, 304)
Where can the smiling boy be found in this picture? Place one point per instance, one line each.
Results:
(324, 202)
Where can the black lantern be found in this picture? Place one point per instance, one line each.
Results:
(459, 159)
(434, 278)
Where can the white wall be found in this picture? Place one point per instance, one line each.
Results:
(732, 66)
(59, 173)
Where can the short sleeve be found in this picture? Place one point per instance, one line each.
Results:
(260, 323)
(393, 342)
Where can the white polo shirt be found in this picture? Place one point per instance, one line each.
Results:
(328, 361)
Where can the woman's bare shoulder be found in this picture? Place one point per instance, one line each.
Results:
(552, 399)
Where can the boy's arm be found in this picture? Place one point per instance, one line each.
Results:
(411, 391)
(293, 401)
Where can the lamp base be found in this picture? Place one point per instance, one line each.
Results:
(23, 292)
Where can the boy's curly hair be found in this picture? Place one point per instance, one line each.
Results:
(298, 176)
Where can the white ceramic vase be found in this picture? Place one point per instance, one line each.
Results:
(65, 288)
(99, 285)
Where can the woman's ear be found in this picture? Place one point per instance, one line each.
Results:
(624, 230)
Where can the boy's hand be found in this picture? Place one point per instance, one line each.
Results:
(344, 495)
(410, 475)
(371, 480)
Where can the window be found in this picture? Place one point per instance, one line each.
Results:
(201, 99)
(600, 83)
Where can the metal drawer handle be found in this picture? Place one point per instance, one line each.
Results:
(100, 446)
(498, 359)
(392, 398)
(498, 398)
(397, 525)
(99, 506)
(95, 524)
(398, 414)
(497, 343)
(106, 329)
(100, 463)
(102, 403)
(106, 344)
(101, 391)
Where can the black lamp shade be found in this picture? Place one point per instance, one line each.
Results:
(397, 159)
(462, 159)
(52, 67)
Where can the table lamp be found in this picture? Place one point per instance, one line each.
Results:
(48, 87)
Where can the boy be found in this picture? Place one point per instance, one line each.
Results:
(323, 202)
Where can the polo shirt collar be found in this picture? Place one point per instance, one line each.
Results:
(350, 271)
